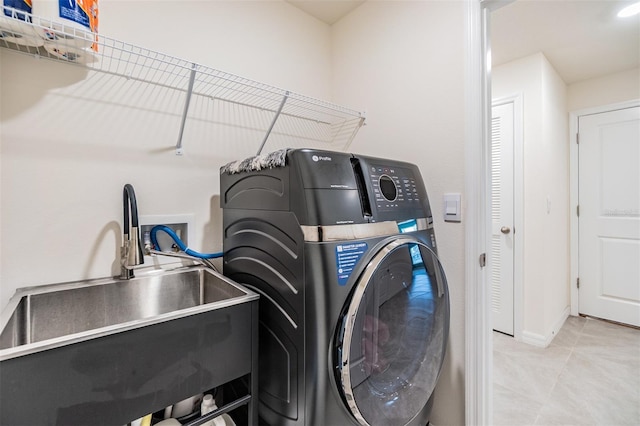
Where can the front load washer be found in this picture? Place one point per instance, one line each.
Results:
(354, 307)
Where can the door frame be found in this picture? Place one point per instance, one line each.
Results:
(518, 207)
(573, 190)
(478, 386)
(478, 373)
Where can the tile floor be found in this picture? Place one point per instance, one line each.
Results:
(588, 375)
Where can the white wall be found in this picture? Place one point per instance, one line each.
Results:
(557, 235)
(71, 139)
(610, 89)
(269, 41)
(403, 62)
(546, 190)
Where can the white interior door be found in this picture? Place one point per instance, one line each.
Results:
(609, 219)
(502, 218)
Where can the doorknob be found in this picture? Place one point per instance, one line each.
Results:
(505, 229)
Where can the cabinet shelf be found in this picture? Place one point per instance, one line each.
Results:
(291, 115)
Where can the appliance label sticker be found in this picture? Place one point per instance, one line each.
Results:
(347, 257)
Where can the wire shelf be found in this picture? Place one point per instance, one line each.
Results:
(290, 115)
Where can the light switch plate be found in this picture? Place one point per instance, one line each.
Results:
(452, 207)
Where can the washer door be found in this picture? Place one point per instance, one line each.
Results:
(391, 342)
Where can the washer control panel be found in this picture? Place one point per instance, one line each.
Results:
(393, 187)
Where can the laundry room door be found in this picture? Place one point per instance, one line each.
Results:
(391, 342)
(502, 217)
(609, 215)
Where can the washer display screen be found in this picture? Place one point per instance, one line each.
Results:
(391, 343)
(388, 188)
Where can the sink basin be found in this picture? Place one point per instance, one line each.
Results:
(107, 351)
(75, 311)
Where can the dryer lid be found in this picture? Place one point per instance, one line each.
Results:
(391, 343)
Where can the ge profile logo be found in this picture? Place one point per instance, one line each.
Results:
(317, 158)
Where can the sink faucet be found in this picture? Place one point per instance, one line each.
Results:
(131, 253)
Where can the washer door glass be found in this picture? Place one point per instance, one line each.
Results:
(391, 342)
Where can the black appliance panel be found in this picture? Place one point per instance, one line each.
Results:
(395, 190)
(323, 169)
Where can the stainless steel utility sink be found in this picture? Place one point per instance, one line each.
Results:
(75, 311)
(88, 347)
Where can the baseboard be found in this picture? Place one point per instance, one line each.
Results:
(560, 322)
(534, 339)
(543, 341)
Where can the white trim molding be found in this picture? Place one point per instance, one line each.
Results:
(542, 341)
(478, 337)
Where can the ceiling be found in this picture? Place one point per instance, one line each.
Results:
(328, 11)
(582, 38)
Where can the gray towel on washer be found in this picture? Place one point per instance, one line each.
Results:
(265, 161)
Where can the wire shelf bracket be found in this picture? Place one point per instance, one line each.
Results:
(192, 78)
(273, 123)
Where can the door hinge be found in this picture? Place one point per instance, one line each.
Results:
(578, 210)
(483, 260)
(578, 282)
(578, 138)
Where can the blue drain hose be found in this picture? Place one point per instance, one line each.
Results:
(182, 246)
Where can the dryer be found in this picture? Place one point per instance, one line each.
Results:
(354, 308)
